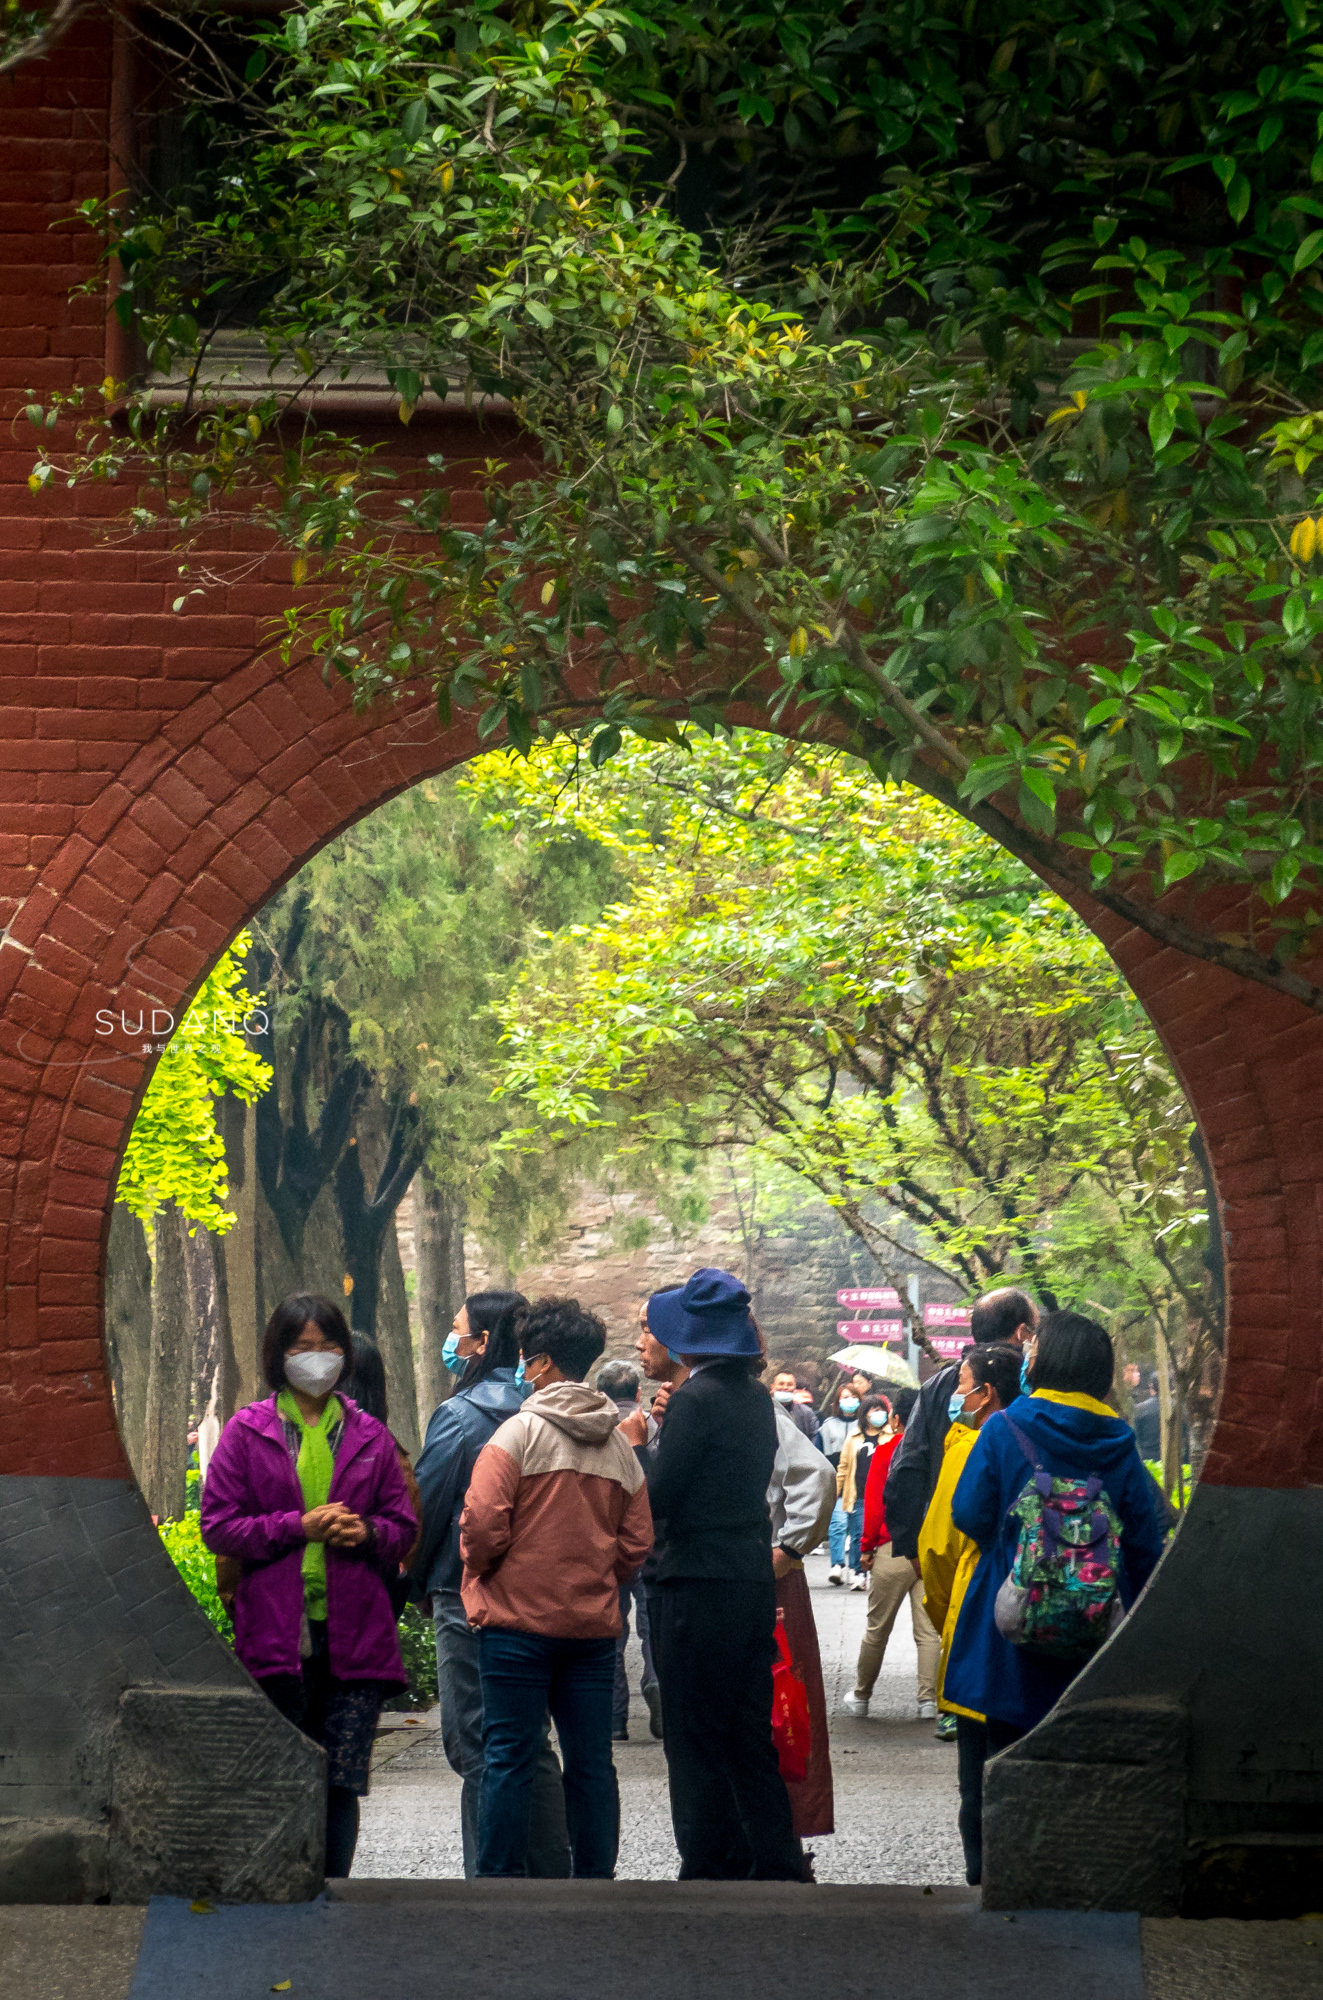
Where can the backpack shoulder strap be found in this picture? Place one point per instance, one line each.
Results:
(1042, 1477)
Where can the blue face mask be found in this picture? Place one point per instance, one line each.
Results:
(519, 1374)
(1026, 1386)
(849, 1404)
(955, 1409)
(671, 1355)
(450, 1350)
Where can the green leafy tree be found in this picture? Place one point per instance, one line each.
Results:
(857, 987)
(175, 1151)
(976, 427)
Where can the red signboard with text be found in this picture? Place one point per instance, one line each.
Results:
(947, 1328)
(879, 1332)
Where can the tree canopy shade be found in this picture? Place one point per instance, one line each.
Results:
(175, 1151)
(942, 378)
(864, 991)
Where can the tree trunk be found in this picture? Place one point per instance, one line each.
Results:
(396, 1344)
(439, 1225)
(238, 1124)
(215, 1372)
(1168, 1428)
(384, 1158)
(169, 1375)
(129, 1326)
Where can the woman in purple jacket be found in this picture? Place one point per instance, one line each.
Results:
(305, 1489)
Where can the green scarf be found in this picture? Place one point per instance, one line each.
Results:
(315, 1468)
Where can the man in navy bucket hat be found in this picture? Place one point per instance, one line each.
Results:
(714, 1640)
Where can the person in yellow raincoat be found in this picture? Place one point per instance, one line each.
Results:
(989, 1379)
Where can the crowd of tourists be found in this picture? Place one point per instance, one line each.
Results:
(1005, 1499)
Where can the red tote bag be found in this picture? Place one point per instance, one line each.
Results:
(790, 1712)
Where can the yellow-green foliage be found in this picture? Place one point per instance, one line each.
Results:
(175, 1152)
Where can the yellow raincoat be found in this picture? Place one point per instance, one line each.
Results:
(946, 1557)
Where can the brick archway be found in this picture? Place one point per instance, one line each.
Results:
(159, 783)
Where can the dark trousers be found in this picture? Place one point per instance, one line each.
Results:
(713, 1643)
(342, 1717)
(523, 1675)
(975, 1743)
(972, 1755)
(631, 1592)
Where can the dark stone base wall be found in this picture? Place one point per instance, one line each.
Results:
(1182, 1773)
(136, 1755)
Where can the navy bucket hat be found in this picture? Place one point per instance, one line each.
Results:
(708, 1316)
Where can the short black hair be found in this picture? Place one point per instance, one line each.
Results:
(561, 1329)
(902, 1402)
(996, 1319)
(498, 1315)
(1075, 1354)
(287, 1323)
(869, 1404)
(619, 1381)
(998, 1363)
(370, 1378)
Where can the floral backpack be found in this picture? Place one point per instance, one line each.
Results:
(1062, 1597)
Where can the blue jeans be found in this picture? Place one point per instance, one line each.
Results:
(459, 1689)
(836, 1533)
(854, 1522)
(524, 1674)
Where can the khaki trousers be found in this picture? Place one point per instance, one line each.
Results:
(890, 1582)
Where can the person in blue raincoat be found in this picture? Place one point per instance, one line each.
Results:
(1066, 1372)
(484, 1344)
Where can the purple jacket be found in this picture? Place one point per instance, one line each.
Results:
(252, 1507)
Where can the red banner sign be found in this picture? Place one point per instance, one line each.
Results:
(880, 1332)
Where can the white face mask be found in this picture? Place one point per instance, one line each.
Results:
(315, 1374)
(783, 1396)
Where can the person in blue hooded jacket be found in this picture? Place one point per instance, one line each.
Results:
(1067, 1370)
(484, 1343)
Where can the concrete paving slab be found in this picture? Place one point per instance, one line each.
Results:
(1222, 1959)
(656, 1941)
(67, 1951)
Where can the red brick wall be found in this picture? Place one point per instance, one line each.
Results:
(158, 781)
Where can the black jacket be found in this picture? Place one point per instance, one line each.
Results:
(918, 1461)
(708, 1478)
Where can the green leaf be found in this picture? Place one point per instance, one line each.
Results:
(1037, 800)
(604, 745)
(1161, 424)
(1178, 865)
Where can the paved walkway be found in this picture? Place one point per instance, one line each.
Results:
(895, 1783)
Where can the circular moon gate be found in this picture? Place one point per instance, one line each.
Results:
(159, 783)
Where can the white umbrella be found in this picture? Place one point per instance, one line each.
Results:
(884, 1362)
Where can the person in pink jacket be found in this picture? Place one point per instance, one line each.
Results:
(305, 1489)
(555, 1520)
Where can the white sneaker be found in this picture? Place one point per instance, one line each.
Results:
(836, 1574)
(927, 1711)
(856, 1704)
(859, 1581)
